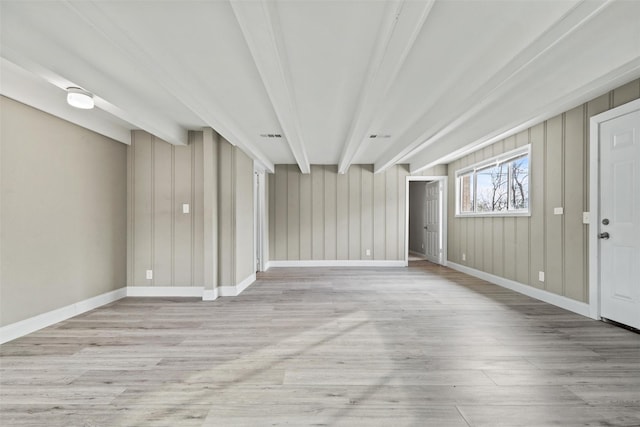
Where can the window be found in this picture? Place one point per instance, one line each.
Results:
(498, 186)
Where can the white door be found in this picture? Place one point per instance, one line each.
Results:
(619, 219)
(432, 222)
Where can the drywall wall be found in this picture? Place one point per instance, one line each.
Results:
(63, 213)
(212, 244)
(329, 216)
(518, 248)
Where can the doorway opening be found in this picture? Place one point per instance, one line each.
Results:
(426, 219)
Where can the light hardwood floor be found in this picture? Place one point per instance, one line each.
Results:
(417, 346)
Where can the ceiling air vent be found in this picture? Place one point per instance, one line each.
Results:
(377, 135)
(271, 135)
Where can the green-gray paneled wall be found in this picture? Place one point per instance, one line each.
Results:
(329, 216)
(161, 238)
(161, 178)
(518, 248)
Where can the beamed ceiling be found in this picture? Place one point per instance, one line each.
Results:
(430, 80)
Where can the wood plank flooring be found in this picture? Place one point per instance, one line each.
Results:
(417, 346)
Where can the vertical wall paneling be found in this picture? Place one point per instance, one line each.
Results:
(162, 225)
(522, 272)
(553, 191)
(306, 236)
(271, 206)
(293, 212)
(366, 212)
(478, 238)
(330, 213)
(341, 215)
(574, 193)
(317, 212)
(243, 218)
(509, 234)
(142, 210)
(453, 245)
(437, 170)
(391, 185)
(403, 172)
(626, 93)
(131, 211)
(183, 223)
(197, 212)
(537, 200)
(379, 216)
(518, 248)
(280, 219)
(210, 245)
(226, 207)
(355, 212)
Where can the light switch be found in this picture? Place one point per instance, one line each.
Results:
(585, 218)
(149, 274)
(185, 208)
(541, 276)
(558, 211)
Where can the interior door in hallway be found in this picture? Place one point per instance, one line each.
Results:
(432, 222)
(619, 219)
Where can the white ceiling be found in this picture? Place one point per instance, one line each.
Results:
(437, 78)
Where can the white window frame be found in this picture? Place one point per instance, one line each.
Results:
(501, 158)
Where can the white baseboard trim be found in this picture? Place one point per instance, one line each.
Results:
(338, 263)
(191, 291)
(208, 295)
(539, 294)
(234, 291)
(165, 291)
(32, 324)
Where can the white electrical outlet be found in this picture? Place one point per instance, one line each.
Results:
(368, 252)
(149, 274)
(586, 218)
(558, 211)
(185, 208)
(464, 257)
(541, 276)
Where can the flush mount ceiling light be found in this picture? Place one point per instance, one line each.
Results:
(80, 98)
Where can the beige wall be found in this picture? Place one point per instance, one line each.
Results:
(162, 177)
(236, 215)
(329, 216)
(517, 248)
(161, 237)
(63, 213)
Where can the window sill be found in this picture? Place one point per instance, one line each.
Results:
(492, 215)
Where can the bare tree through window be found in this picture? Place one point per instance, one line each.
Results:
(499, 187)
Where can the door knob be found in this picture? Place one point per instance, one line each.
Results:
(604, 235)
